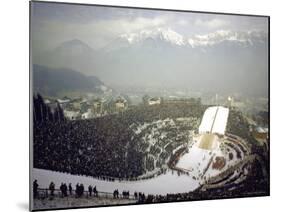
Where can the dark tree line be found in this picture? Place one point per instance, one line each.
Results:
(44, 113)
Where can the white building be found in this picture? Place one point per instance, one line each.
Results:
(87, 115)
(71, 115)
(214, 120)
(120, 105)
(154, 101)
(63, 101)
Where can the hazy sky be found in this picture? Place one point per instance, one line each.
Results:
(97, 26)
(239, 63)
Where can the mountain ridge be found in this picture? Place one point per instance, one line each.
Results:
(176, 38)
(50, 81)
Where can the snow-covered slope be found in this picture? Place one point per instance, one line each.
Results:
(163, 184)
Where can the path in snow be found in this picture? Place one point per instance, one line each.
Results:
(162, 184)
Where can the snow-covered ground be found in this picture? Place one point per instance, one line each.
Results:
(162, 184)
(195, 161)
(198, 162)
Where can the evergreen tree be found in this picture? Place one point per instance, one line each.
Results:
(43, 113)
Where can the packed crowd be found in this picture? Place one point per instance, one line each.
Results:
(103, 147)
(238, 125)
(158, 140)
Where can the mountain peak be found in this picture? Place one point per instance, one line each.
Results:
(74, 41)
(167, 35)
(74, 46)
(219, 36)
(163, 34)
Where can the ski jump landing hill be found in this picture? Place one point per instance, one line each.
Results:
(212, 127)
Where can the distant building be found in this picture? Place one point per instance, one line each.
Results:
(87, 115)
(236, 103)
(189, 101)
(230, 101)
(120, 103)
(47, 101)
(76, 105)
(71, 115)
(63, 102)
(97, 106)
(260, 133)
(154, 101)
(84, 106)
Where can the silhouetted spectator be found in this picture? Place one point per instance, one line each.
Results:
(35, 189)
(90, 189)
(70, 189)
(81, 189)
(77, 190)
(52, 188)
(95, 191)
(61, 189)
(64, 189)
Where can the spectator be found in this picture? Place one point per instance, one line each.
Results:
(35, 189)
(90, 189)
(52, 188)
(70, 189)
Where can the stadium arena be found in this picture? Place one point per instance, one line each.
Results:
(162, 153)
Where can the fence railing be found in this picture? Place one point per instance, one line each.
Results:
(45, 193)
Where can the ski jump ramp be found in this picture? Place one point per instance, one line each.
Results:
(214, 120)
(213, 124)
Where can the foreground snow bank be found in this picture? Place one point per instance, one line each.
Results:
(163, 184)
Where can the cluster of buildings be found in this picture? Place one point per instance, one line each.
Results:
(80, 108)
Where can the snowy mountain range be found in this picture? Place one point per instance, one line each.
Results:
(244, 38)
(165, 35)
(224, 59)
(174, 38)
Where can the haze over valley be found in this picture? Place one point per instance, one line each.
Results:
(161, 50)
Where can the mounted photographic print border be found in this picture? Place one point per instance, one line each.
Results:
(132, 105)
